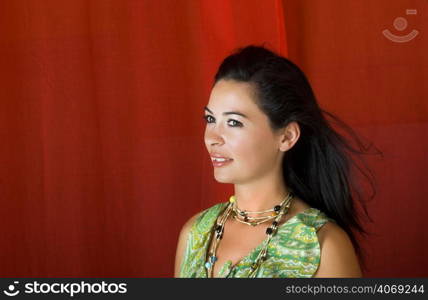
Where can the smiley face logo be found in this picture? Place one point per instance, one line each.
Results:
(400, 24)
(11, 289)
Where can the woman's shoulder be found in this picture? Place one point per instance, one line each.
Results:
(306, 215)
(203, 220)
(338, 256)
(314, 217)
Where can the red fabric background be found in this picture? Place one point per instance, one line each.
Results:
(102, 157)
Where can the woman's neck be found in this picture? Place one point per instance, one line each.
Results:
(260, 196)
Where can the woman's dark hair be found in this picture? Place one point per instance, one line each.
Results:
(318, 167)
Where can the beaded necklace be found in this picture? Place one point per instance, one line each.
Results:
(279, 211)
(243, 217)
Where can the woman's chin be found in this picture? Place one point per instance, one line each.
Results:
(222, 179)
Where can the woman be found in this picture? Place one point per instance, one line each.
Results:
(292, 212)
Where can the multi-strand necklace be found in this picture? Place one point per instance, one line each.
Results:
(276, 213)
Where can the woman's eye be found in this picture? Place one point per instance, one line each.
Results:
(231, 122)
(207, 118)
(238, 124)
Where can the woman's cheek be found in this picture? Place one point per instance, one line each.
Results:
(249, 153)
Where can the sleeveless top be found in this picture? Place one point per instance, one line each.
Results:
(294, 250)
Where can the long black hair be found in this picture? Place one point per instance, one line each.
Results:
(318, 168)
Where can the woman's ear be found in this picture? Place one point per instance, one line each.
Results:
(289, 136)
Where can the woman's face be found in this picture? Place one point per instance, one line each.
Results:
(238, 130)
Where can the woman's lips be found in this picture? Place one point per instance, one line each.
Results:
(218, 164)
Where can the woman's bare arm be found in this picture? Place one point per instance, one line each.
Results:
(182, 243)
(338, 258)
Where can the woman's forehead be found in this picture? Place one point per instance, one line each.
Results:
(231, 96)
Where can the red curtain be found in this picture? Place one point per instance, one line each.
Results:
(101, 111)
(101, 102)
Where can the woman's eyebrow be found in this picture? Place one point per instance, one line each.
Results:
(229, 113)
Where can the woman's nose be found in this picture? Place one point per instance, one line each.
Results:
(212, 137)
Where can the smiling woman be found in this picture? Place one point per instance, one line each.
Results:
(292, 213)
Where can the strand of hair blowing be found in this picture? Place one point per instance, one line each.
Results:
(319, 168)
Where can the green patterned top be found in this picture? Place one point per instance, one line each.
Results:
(294, 250)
